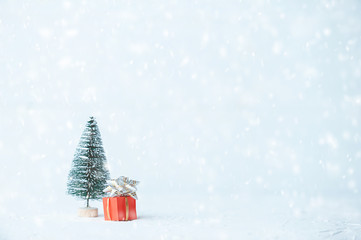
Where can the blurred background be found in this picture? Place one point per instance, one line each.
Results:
(198, 97)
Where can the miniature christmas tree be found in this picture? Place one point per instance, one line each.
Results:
(88, 175)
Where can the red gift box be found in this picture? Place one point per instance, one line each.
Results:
(119, 208)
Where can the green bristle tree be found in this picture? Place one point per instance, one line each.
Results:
(88, 175)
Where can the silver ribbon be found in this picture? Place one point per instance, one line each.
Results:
(122, 186)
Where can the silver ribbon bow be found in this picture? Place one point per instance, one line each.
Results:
(122, 186)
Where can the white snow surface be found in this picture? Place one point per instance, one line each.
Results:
(241, 119)
(191, 217)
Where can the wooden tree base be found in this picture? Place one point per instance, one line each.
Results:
(88, 212)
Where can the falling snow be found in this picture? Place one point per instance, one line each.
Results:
(240, 118)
